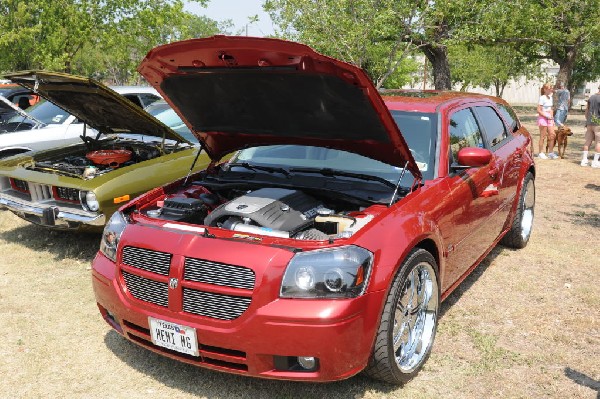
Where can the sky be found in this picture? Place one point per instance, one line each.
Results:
(238, 11)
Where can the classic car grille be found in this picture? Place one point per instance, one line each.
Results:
(40, 192)
(218, 306)
(145, 259)
(66, 193)
(20, 185)
(204, 271)
(147, 290)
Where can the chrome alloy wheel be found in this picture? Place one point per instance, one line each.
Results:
(415, 317)
(527, 211)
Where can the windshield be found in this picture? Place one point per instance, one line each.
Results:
(164, 113)
(45, 112)
(418, 129)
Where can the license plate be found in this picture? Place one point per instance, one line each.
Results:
(173, 336)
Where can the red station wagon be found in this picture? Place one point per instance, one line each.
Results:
(325, 244)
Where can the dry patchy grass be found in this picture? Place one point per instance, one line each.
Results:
(525, 324)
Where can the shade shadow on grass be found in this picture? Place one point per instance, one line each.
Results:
(214, 384)
(61, 244)
(583, 379)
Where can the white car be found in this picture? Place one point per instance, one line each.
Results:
(49, 126)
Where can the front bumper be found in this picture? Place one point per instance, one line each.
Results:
(50, 215)
(339, 333)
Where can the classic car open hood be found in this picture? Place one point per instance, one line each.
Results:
(93, 103)
(237, 92)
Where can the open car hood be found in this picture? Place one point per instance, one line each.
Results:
(93, 103)
(237, 92)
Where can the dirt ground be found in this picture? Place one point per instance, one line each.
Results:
(525, 324)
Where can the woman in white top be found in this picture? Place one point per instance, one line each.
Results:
(546, 122)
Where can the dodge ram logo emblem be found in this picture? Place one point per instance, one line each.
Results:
(173, 283)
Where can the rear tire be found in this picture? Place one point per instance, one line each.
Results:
(520, 231)
(409, 321)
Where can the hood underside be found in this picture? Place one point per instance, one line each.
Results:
(239, 92)
(93, 103)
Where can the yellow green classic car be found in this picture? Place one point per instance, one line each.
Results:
(124, 152)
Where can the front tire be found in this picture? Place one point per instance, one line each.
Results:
(409, 321)
(520, 231)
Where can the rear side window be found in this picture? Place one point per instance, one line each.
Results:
(464, 132)
(492, 125)
(509, 116)
(148, 98)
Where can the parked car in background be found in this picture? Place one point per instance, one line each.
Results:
(79, 186)
(17, 95)
(54, 126)
(164, 113)
(326, 244)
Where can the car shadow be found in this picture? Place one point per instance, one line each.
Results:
(214, 384)
(61, 244)
(583, 380)
(471, 279)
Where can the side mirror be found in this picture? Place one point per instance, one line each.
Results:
(472, 157)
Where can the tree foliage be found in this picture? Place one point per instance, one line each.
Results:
(105, 39)
(565, 32)
(488, 66)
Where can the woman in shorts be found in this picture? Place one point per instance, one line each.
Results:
(546, 122)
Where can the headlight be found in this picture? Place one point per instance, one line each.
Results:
(111, 235)
(89, 201)
(329, 273)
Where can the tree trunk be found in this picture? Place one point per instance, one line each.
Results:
(566, 64)
(438, 57)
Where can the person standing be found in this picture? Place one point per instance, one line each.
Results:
(546, 122)
(563, 100)
(592, 120)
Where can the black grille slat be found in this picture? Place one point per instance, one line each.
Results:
(66, 193)
(147, 290)
(218, 306)
(145, 259)
(203, 271)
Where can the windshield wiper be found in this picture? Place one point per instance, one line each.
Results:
(270, 169)
(334, 172)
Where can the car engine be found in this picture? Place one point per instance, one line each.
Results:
(275, 212)
(86, 163)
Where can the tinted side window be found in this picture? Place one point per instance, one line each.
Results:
(148, 98)
(509, 116)
(464, 131)
(492, 125)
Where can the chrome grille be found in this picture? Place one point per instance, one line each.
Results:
(147, 290)
(40, 192)
(218, 306)
(145, 259)
(218, 273)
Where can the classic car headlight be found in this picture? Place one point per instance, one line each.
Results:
(341, 272)
(111, 235)
(89, 201)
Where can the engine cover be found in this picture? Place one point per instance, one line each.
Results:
(273, 208)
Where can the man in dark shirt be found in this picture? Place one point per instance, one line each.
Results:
(592, 119)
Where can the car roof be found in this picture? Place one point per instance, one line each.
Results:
(429, 100)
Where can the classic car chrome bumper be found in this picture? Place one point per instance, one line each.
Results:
(51, 215)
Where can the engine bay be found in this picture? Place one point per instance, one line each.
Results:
(270, 211)
(87, 161)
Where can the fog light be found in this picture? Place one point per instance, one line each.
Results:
(307, 362)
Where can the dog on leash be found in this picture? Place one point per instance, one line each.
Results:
(562, 138)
